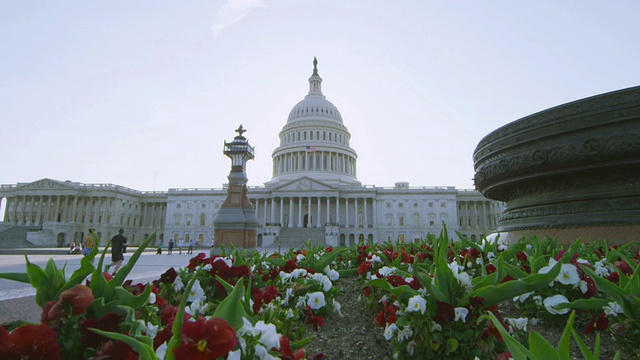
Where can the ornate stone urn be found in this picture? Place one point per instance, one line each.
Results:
(572, 171)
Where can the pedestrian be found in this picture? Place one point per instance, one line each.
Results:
(180, 246)
(190, 251)
(171, 244)
(117, 243)
(90, 242)
(159, 251)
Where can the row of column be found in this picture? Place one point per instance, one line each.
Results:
(291, 211)
(314, 161)
(475, 215)
(22, 210)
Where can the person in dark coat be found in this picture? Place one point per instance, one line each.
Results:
(118, 243)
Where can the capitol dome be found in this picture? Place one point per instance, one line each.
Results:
(314, 142)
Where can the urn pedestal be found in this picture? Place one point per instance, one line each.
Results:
(569, 172)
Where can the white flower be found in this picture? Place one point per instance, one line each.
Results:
(386, 271)
(322, 279)
(411, 347)
(464, 279)
(288, 294)
(491, 256)
(290, 314)
(148, 328)
(568, 275)
(389, 331)
(152, 298)
(417, 303)
(178, 285)
(461, 313)
(375, 259)
(538, 300)
(436, 326)
(227, 261)
(405, 333)
(197, 292)
(519, 323)
(337, 308)
(601, 269)
(613, 309)
(546, 269)
(551, 302)
(455, 267)
(522, 298)
(583, 286)
(197, 307)
(207, 267)
(298, 272)
(266, 333)
(316, 300)
(300, 257)
(233, 355)
(161, 351)
(331, 274)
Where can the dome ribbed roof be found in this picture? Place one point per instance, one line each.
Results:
(315, 105)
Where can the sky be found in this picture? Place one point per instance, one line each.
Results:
(143, 94)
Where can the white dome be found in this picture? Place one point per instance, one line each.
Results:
(316, 106)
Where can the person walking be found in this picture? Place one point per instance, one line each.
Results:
(117, 244)
(159, 246)
(90, 242)
(190, 251)
(171, 244)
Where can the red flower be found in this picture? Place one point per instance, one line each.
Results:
(169, 276)
(522, 256)
(208, 339)
(504, 356)
(364, 268)
(599, 322)
(109, 322)
(491, 269)
(624, 267)
(262, 297)
(71, 301)
(117, 350)
(387, 315)
(445, 313)
(311, 319)
(287, 353)
(29, 342)
(614, 277)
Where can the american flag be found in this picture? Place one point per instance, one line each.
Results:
(311, 148)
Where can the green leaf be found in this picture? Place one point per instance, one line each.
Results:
(541, 349)
(20, 277)
(126, 298)
(586, 353)
(518, 351)
(40, 281)
(452, 345)
(144, 350)
(565, 338)
(86, 268)
(231, 308)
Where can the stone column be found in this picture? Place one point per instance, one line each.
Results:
(338, 210)
(318, 223)
(355, 211)
(309, 209)
(366, 221)
(264, 212)
(281, 221)
(300, 211)
(290, 212)
(273, 210)
(328, 210)
(257, 207)
(346, 212)
(55, 215)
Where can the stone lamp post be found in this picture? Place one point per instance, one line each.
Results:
(236, 222)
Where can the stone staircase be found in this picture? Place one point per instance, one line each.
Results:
(16, 236)
(298, 237)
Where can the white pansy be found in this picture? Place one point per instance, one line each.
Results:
(207, 267)
(455, 267)
(600, 269)
(197, 307)
(375, 259)
(522, 298)
(233, 355)
(148, 328)
(227, 261)
(322, 279)
(290, 314)
(301, 302)
(316, 300)
(405, 333)
(491, 256)
(583, 286)
(197, 292)
(331, 274)
(337, 308)
(152, 298)
(411, 347)
(461, 314)
(546, 269)
(288, 294)
(613, 309)
(386, 271)
(519, 323)
(464, 279)
(266, 333)
(479, 261)
(551, 302)
(161, 351)
(417, 303)
(538, 300)
(389, 331)
(568, 275)
(178, 285)
(300, 257)
(298, 273)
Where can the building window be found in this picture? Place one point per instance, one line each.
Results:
(400, 205)
(188, 220)
(177, 220)
(442, 204)
(202, 219)
(432, 223)
(178, 206)
(430, 204)
(401, 220)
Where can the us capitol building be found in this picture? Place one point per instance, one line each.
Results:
(313, 194)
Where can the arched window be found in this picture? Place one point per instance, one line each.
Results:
(202, 219)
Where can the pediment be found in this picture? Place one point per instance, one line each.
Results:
(304, 184)
(45, 184)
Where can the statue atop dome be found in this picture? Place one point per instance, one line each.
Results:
(315, 67)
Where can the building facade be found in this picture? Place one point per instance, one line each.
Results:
(314, 194)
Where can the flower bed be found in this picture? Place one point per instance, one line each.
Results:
(434, 299)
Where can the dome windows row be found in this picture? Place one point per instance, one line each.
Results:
(305, 111)
(315, 135)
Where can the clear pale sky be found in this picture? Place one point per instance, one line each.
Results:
(143, 93)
